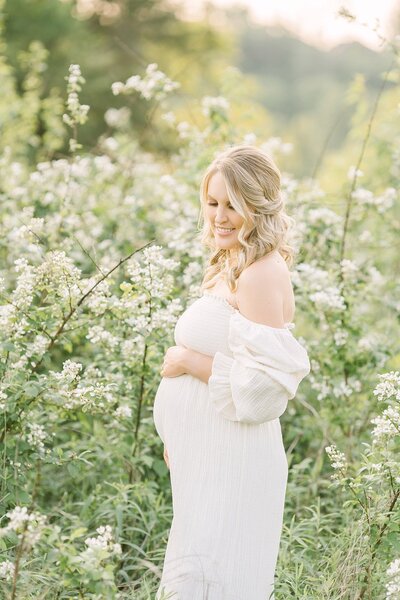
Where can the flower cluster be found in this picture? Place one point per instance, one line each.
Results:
(99, 548)
(77, 112)
(217, 105)
(28, 526)
(154, 85)
(329, 300)
(275, 145)
(70, 372)
(7, 569)
(36, 436)
(382, 202)
(123, 411)
(393, 586)
(91, 398)
(338, 461)
(387, 425)
(59, 274)
(154, 275)
(389, 386)
(118, 118)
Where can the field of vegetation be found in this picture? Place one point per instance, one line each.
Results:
(100, 254)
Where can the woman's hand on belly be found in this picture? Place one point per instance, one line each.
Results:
(179, 360)
(174, 361)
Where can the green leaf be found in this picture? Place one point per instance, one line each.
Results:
(77, 533)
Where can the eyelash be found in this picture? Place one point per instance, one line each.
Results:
(214, 204)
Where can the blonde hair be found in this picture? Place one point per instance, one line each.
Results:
(252, 183)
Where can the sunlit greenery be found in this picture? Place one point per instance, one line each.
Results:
(100, 254)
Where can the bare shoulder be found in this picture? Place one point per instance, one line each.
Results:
(265, 292)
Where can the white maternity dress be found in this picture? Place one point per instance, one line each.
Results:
(228, 465)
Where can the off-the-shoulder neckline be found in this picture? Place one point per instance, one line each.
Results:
(226, 302)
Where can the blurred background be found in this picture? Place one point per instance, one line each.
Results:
(305, 66)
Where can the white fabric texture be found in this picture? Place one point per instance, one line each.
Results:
(228, 465)
(264, 374)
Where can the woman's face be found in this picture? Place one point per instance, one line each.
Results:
(225, 222)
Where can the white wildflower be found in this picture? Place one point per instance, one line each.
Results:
(36, 436)
(99, 548)
(329, 299)
(23, 294)
(354, 172)
(322, 216)
(183, 129)
(275, 145)
(310, 277)
(340, 337)
(388, 387)
(98, 334)
(338, 461)
(117, 117)
(387, 425)
(28, 525)
(123, 411)
(249, 139)
(386, 200)
(214, 105)
(342, 389)
(154, 85)
(349, 269)
(364, 197)
(77, 111)
(7, 569)
(169, 118)
(393, 586)
(117, 88)
(132, 348)
(91, 398)
(365, 236)
(70, 372)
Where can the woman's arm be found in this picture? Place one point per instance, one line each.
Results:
(197, 364)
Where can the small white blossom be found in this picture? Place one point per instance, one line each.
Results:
(388, 387)
(329, 299)
(123, 411)
(36, 436)
(338, 461)
(117, 88)
(387, 425)
(169, 118)
(183, 129)
(70, 372)
(117, 117)
(354, 172)
(7, 570)
(154, 85)
(28, 525)
(214, 105)
(349, 269)
(393, 586)
(99, 548)
(77, 111)
(275, 145)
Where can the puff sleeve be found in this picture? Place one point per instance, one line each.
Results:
(267, 366)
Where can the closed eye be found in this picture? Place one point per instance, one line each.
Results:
(215, 204)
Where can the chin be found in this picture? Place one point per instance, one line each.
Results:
(225, 245)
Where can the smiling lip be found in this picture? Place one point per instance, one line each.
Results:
(224, 231)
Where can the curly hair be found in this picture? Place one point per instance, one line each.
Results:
(253, 184)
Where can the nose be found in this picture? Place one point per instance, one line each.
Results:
(220, 215)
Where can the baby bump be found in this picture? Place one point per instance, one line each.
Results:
(179, 401)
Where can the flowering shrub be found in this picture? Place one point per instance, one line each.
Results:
(100, 255)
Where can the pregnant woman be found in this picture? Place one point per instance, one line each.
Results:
(225, 384)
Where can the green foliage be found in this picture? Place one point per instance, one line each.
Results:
(101, 253)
